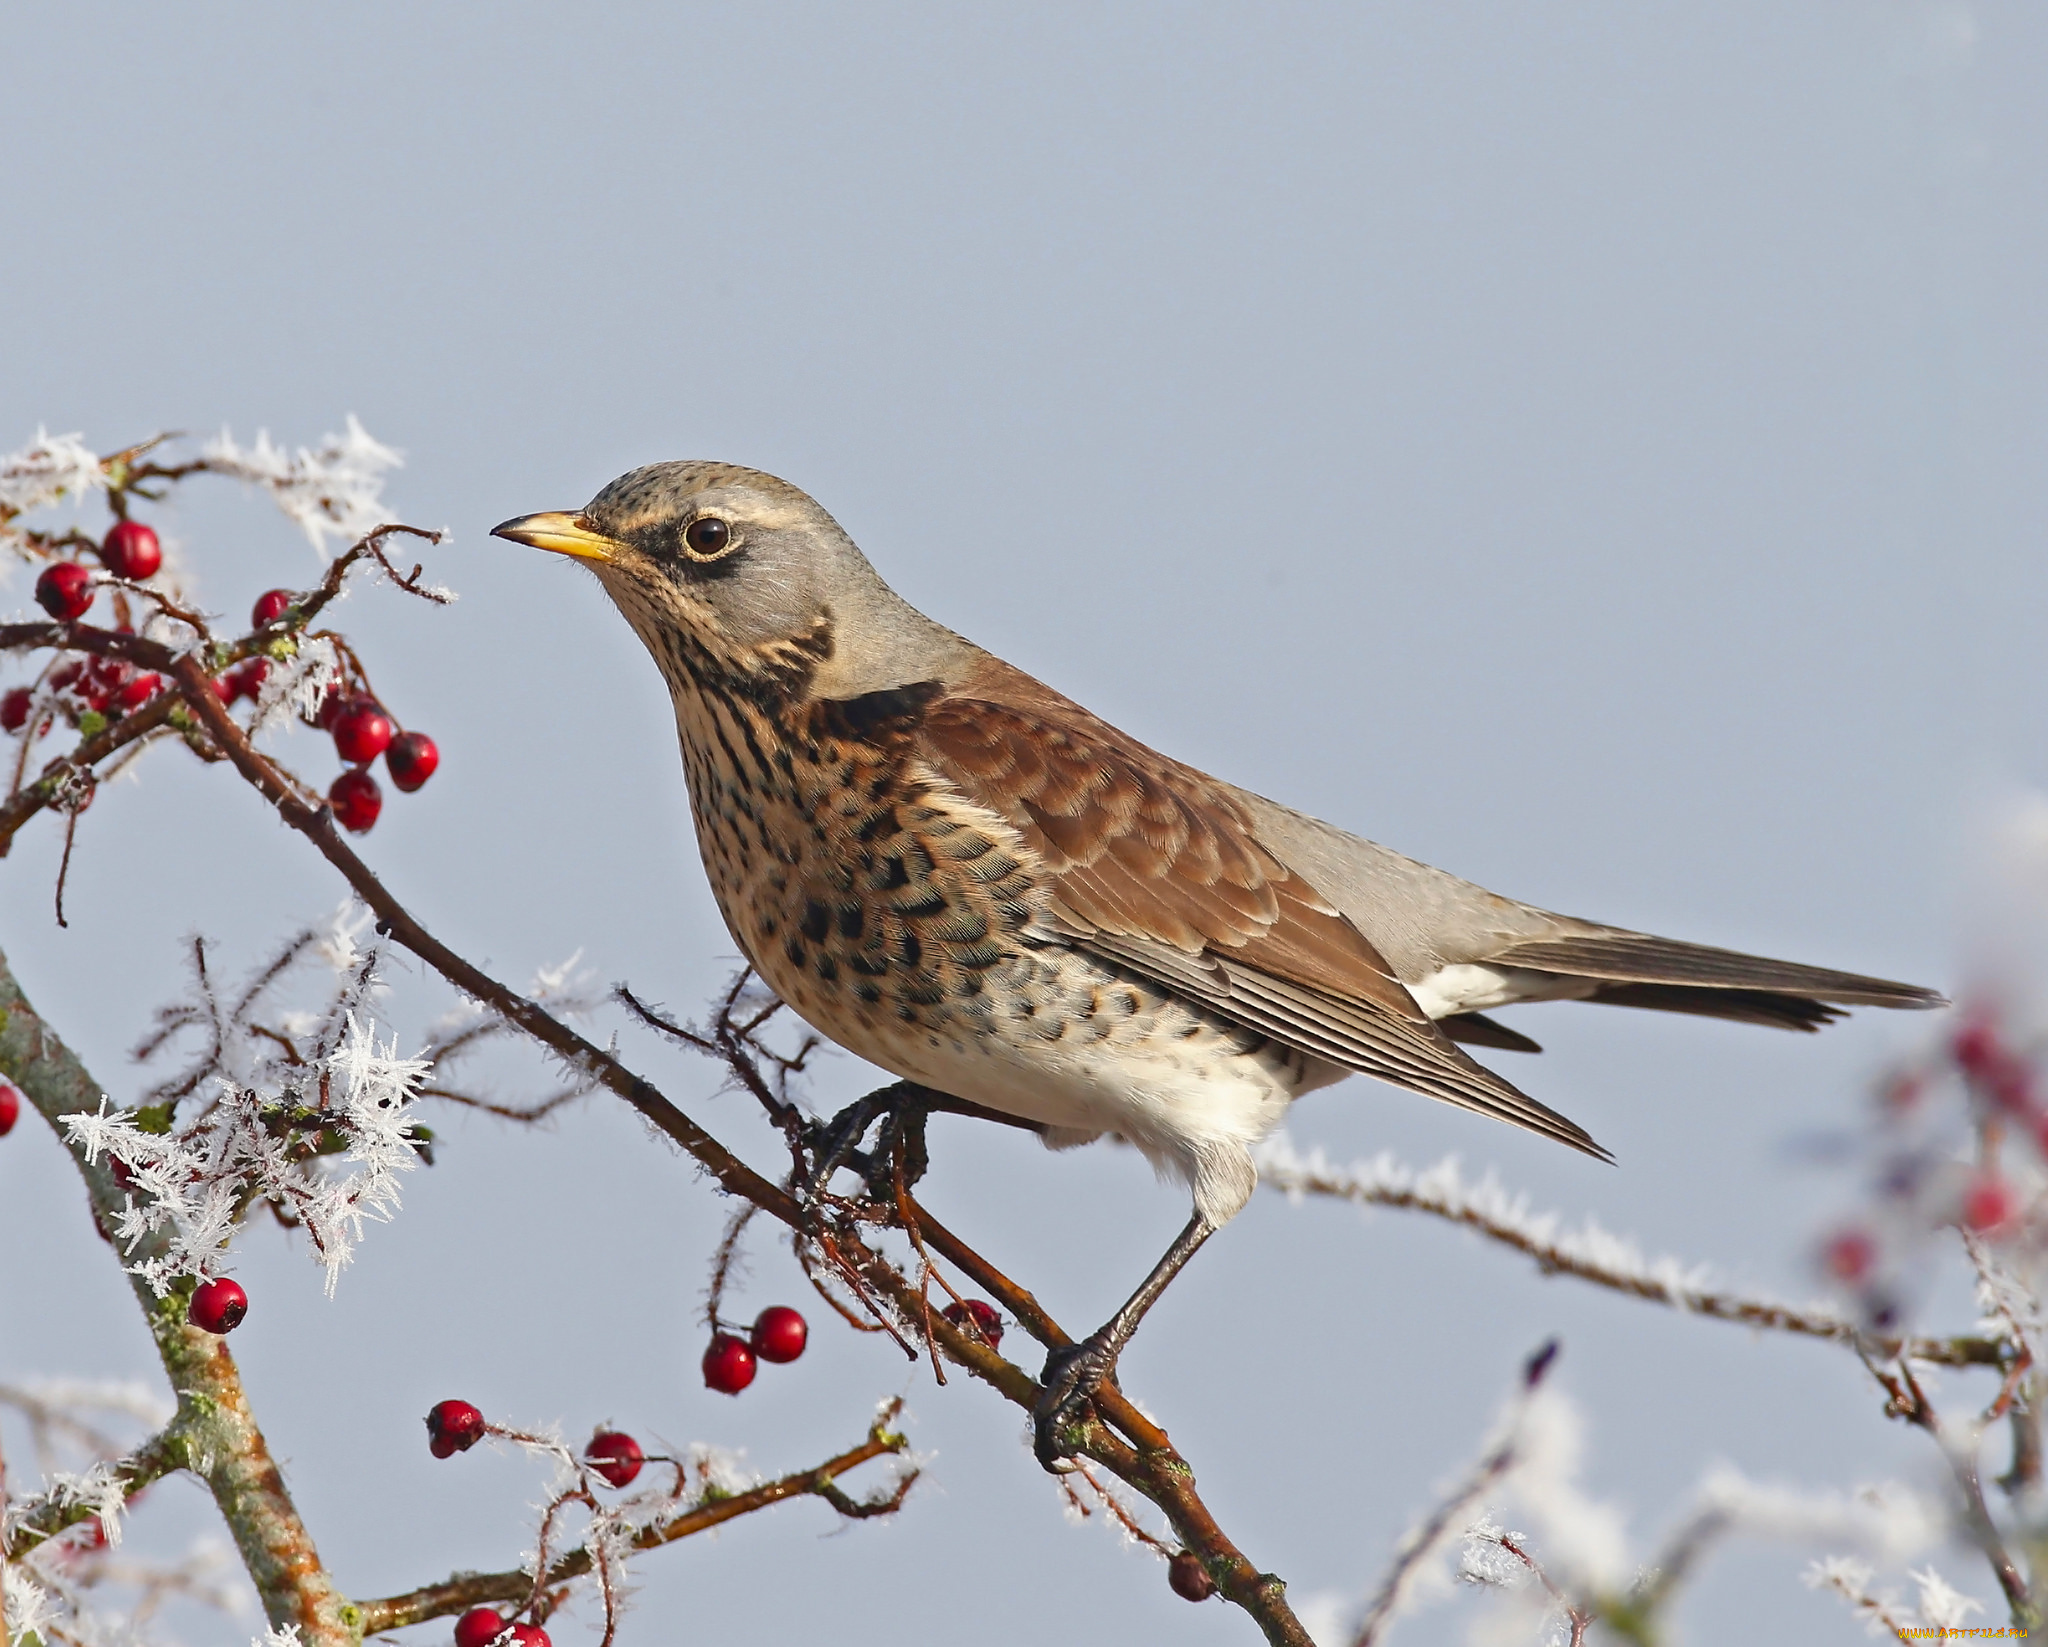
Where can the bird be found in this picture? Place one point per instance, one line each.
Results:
(959, 874)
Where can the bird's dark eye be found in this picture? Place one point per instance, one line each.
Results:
(707, 536)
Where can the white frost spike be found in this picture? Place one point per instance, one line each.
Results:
(1942, 1605)
(98, 1491)
(551, 981)
(1486, 1561)
(338, 948)
(190, 1189)
(296, 686)
(28, 1610)
(50, 467)
(286, 1635)
(721, 1469)
(333, 490)
(1489, 1208)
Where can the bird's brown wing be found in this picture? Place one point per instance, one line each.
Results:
(1156, 866)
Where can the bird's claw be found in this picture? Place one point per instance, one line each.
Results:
(1066, 1391)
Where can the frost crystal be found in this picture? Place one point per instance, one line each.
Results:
(50, 467)
(334, 490)
(720, 1470)
(1489, 1208)
(97, 1491)
(281, 1129)
(1486, 1561)
(294, 688)
(1942, 1605)
(338, 946)
(29, 1612)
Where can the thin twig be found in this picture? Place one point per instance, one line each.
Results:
(460, 1593)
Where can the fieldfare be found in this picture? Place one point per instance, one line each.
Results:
(962, 876)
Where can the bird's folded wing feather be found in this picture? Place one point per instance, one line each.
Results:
(1637, 958)
(1157, 867)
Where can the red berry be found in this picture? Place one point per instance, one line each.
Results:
(331, 703)
(102, 681)
(245, 680)
(728, 1364)
(779, 1334)
(453, 1427)
(411, 759)
(132, 551)
(356, 800)
(271, 605)
(1189, 1578)
(976, 1319)
(139, 690)
(10, 1108)
(620, 1457)
(218, 1306)
(1976, 1047)
(64, 590)
(14, 708)
(530, 1635)
(1850, 1257)
(479, 1627)
(1988, 1205)
(362, 731)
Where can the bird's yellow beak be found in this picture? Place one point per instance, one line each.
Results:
(564, 534)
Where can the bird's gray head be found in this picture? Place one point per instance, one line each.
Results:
(746, 567)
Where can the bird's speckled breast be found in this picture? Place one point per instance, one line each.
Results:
(873, 902)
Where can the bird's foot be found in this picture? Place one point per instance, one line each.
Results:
(899, 1142)
(1066, 1391)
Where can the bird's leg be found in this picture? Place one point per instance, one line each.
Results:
(1072, 1375)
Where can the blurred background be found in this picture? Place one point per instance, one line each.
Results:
(1592, 447)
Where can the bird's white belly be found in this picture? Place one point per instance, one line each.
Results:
(1468, 987)
(1061, 1045)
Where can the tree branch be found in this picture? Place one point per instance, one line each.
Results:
(1147, 1462)
(1486, 1210)
(459, 1594)
(214, 1430)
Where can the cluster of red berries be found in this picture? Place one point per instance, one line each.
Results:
(129, 551)
(779, 1334)
(362, 730)
(2000, 1080)
(361, 727)
(105, 686)
(10, 1108)
(484, 1626)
